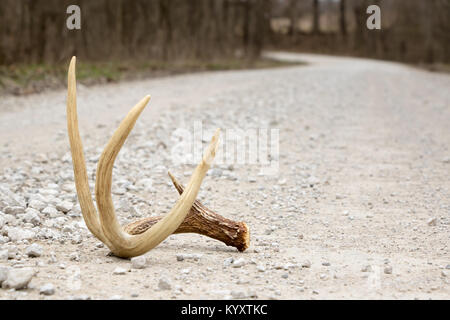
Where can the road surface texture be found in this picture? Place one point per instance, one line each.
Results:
(359, 206)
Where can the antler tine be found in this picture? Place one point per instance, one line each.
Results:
(126, 245)
(79, 167)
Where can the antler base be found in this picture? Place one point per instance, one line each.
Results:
(203, 221)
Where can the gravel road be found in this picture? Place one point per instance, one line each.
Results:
(359, 207)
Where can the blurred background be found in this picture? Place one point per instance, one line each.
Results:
(132, 38)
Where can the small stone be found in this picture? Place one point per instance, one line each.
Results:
(238, 295)
(4, 255)
(139, 262)
(260, 268)
(326, 264)
(388, 270)
(445, 273)
(164, 284)
(15, 210)
(238, 263)
(74, 256)
(37, 204)
(18, 278)
(215, 172)
(3, 274)
(34, 251)
(64, 206)
(47, 289)
(119, 271)
(432, 222)
(187, 256)
(50, 211)
(447, 267)
(306, 264)
(366, 268)
(17, 234)
(313, 181)
(228, 261)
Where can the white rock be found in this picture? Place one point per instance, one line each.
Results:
(238, 263)
(228, 261)
(18, 278)
(164, 284)
(139, 262)
(366, 268)
(2, 221)
(50, 211)
(306, 264)
(64, 206)
(3, 274)
(238, 295)
(260, 268)
(188, 256)
(32, 216)
(35, 250)
(17, 234)
(432, 221)
(4, 255)
(388, 270)
(47, 289)
(37, 204)
(119, 271)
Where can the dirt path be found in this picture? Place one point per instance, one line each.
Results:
(360, 207)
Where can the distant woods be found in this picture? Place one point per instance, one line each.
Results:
(34, 31)
(416, 31)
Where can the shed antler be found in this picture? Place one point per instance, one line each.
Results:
(123, 242)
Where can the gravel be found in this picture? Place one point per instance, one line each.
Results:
(345, 191)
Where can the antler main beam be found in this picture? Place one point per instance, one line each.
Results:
(104, 224)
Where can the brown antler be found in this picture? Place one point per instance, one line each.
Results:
(105, 225)
(201, 220)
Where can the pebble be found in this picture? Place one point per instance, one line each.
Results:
(164, 284)
(3, 274)
(238, 263)
(366, 268)
(47, 289)
(64, 206)
(138, 262)
(119, 271)
(306, 264)
(228, 261)
(18, 278)
(388, 270)
(432, 222)
(260, 268)
(188, 256)
(18, 234)
(37, 204)
(34, 251)
(4, 255)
